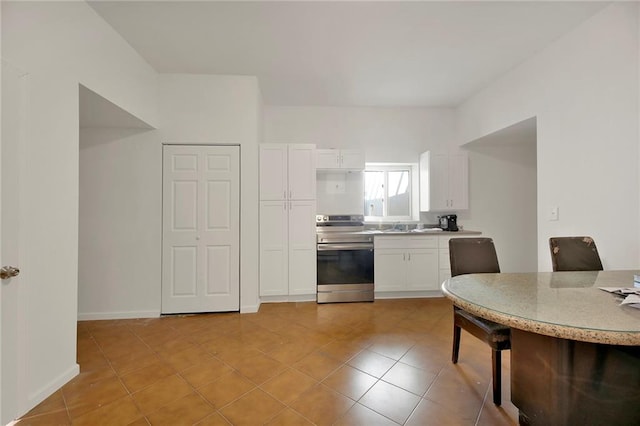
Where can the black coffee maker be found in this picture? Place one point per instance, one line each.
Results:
(448, 222)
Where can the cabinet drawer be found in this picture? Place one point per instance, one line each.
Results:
(380, 242)
(422, 242)
(405, 242)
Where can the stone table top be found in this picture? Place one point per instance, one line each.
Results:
(567, 305)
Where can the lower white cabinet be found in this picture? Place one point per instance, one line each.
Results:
(287, 248)
(406, 263)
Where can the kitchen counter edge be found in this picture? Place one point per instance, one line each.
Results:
(431, 233)
(605, 337)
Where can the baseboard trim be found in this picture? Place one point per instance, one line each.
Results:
(289, 298)
(407, 294)
(91, 316)
(47, 390)
(251, 309)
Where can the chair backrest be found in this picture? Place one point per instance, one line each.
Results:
(472, 256)
(574, 254)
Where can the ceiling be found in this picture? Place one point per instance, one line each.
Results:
(346, 53)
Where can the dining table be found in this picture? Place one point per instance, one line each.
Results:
(575, 348)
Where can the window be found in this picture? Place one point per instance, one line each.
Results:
(387, 191)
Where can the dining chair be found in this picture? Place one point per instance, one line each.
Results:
(574, 254)
(474, 256)
(579, 254)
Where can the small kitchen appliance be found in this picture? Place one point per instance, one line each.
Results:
(448, 222)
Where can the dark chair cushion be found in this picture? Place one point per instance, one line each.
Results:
(574, 254)
(472, 256)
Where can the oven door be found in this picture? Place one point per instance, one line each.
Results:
(345, 272)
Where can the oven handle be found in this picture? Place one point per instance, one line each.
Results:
(345, 246)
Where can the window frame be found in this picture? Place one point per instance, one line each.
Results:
(386, 168)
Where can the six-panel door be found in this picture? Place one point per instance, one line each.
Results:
(201, 229)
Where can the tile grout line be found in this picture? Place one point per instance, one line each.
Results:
(260, 335)
(484, 399)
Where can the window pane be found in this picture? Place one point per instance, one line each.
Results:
(374, 193)
(399, 201)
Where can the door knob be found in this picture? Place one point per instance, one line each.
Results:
(8, 272)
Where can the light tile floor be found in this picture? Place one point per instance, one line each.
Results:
(381, 363)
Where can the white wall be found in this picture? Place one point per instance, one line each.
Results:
(503, 196)
(119, 272)
(385, 134)
(206, 109)
(339, 192)
(61, 44)
(583, 90)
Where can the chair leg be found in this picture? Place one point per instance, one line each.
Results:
(496, 358)
(456, 344)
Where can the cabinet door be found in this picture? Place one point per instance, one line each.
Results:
(352, 159)
(439, 188)
(273, 171)
(327, 159)
(434, 182)
(422, 269)
(459, 182)
(444, 182)
(302, 247)
(390, 270)
(274, 280)
(302, 172)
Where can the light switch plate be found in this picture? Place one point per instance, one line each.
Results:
(554, 213)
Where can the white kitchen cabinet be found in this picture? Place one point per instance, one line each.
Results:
(444, 182)
(346, 159)
(406, 263)
(287, 248)
(287, 220)
(274, 248)
(287, 172)
(389, 269)
(302, 247)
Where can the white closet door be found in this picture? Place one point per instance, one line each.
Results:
(201, 229)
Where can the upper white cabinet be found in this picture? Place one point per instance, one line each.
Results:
(347, 159)
(444, 182)
(287, 172)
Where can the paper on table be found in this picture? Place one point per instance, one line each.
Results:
(632, 295)
(621, 290)
(632, 300)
